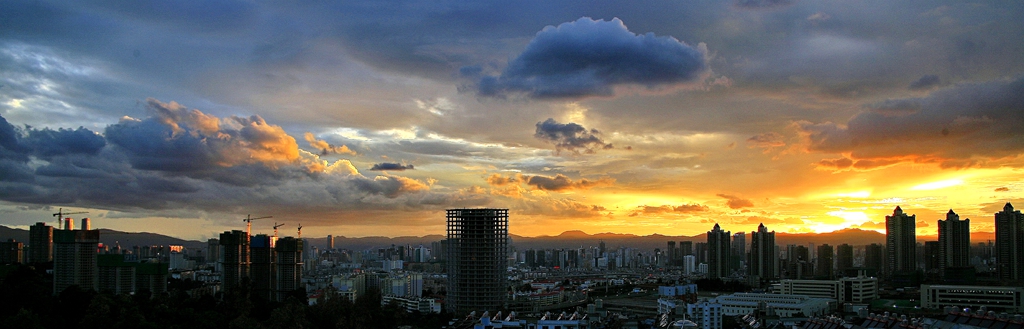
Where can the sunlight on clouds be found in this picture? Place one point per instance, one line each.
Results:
(849, 217)
(15, 103)
(859, 194)
(937, 185)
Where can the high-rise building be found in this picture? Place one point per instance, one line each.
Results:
(74, 259)
(685, 248)
(330, 242)
(477, 261)
(718, 252)
(671, 253)
(825, 262)
(844, 258)
(900, 244)
(932, 257)
(700, 249)
(739, 251)
(954, 244)
(762, 254)
(213, 253)
(234, 258)
(874, 257)
(40, 243)
(263, 266)
(1010, 244)
(289, 266)
(11, 252)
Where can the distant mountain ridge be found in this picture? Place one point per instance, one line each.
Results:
(567, 239)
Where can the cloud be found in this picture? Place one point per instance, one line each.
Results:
(590, 57)
(564, 208)
(925, 82)
(499, 180)
(845, 164)
(963, 125)
(1002, 189)
(770, 220)
(767, 141)
(179, 159)
(736, 202)
(757, 4)
(570, 136)
(682, 209)
(326, 148)
(561, 183)
(391, 166)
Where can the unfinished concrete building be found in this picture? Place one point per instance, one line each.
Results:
(477, 256)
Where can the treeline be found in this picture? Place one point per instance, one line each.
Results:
(26, 302)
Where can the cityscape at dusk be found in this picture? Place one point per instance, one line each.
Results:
(368, 118)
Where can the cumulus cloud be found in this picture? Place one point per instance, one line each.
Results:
(963, 125)
(736, 202)
(392, 166)
(590, 57)
(187, 160)
(563, 183)
(570, 136)
(925, 82)
(499, 180)
(326, 148)
(1002, 189)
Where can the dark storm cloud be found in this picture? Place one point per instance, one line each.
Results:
(570, 136)
(590, 58)
(391, 166)
(925, 82)
(47, 142)
(963, 125)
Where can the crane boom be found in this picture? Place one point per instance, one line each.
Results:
(276, 225)
(248, 223)
(60, 216)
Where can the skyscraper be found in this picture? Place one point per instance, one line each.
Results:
(825, 262)
(263, 266)
(289, 266)
(718, 252)
(234, 258)
(40, 243)
(844, 258)
(954, 244)
(874, 257)
(739, 251)
(1010, 244)
(685, 248)
(671, 253)
(900, 244)
(330, 242)
(762, 254)
(477, 260)
(74, 259)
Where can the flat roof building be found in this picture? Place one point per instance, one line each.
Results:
(1007, 299)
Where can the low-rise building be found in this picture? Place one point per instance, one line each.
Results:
(1006, 299)
(784, 305)
(845, 290)
(413, 304)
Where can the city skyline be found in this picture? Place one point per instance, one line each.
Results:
(367, 120)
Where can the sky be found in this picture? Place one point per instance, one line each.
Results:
(370, 118)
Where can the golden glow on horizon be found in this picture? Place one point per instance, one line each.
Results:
(937, 185)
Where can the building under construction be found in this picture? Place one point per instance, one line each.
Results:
(477, 260)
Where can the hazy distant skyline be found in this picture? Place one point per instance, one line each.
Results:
(370, 118)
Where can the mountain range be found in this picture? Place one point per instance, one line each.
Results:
(567, 239)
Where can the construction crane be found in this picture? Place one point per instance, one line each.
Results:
(300, 230)
(60, 216)
(248, 223)
(276, 225)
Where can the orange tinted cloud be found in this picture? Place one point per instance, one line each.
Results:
(326, 148)
(564, 183)
(736, 202)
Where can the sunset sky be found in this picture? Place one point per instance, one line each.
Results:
(369, 118)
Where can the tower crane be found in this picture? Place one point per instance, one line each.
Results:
(60, 216)
(300, 230)
(248, 223)
(276, 225)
